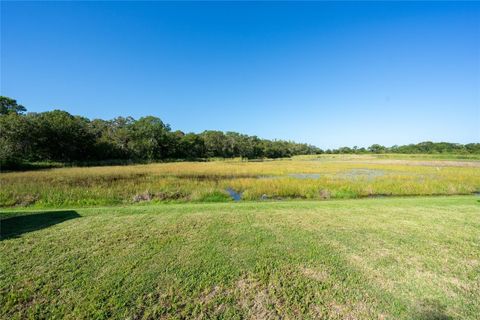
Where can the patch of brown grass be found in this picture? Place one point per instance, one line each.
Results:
(255, 299)
(317, 275)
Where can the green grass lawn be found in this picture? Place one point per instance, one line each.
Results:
(392, 258)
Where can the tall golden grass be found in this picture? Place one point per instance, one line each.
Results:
(346, 177)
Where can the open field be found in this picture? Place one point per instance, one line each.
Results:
(390, 258)
(147, 249)
(318, 177)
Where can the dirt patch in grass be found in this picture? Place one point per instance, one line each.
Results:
(255, 299)
(26, 200)
(162, 196)
(325, 194)
(145, 196)
(318, 275)
(336, 310)
(352, 311)
(208, 296)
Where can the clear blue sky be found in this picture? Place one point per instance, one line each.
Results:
(330, 74)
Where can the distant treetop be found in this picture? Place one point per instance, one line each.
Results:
(9, 105)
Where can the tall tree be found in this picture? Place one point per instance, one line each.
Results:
(61, 136)
(17, 139)
(150, 138)
(9, 105)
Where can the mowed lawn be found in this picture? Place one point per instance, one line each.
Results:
(390, 258)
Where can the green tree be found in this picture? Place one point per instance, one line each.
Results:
(214, 143)
(60, 136)
(9, 105)
(112, 137)
(376, 148)
(149, 138)
(16, 139)
(192, 146)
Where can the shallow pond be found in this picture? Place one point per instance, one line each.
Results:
(305, 175)
(236, 196)
(362, 173)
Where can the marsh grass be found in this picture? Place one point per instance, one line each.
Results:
(351, 177)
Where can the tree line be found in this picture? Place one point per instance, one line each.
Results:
(426, 147)
(59, 136)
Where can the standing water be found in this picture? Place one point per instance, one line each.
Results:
(235, 195)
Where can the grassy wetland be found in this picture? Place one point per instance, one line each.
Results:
(308, 177)
(167, 241)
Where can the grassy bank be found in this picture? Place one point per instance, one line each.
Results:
(408, 258)
(323, 178)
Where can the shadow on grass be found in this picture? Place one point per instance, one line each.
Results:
(431, 310)
(18, 225)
